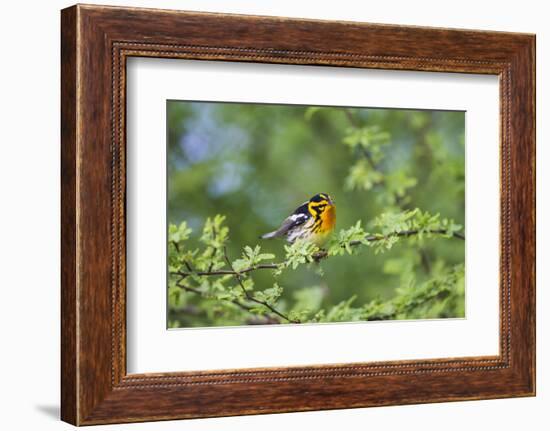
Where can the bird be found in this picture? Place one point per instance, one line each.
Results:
(312, 221)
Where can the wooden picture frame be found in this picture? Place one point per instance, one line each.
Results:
(96, 41)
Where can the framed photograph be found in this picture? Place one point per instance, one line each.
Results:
(266, 215)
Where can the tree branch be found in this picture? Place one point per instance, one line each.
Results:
(184, 274)
(253, 320)
(407, 233)
(198, 292)
(251, 297)
(322, 254)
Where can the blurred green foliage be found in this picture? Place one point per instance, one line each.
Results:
(235, 171)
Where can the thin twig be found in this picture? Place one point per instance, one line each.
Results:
(351, 118)
(200, 293)
(188, 266)
(215, 250)
(175, 244)
(251, 297)
(366, 153)
(253, 320)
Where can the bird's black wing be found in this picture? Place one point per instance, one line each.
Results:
(298, 217)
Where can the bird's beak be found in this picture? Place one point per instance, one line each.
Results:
(330, 201)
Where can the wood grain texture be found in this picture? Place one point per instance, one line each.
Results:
(96, 41)
(69, 397)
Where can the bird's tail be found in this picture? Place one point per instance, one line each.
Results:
(270, 235)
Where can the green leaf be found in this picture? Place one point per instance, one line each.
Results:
(346, 239)
(362, 176)
(177, 234)
(251, 257)
(365, 137)
(240, 264)
(299, 252)
(214, 233)
(344, 312)
(270, 295)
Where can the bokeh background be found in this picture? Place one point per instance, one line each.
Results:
(255, 163)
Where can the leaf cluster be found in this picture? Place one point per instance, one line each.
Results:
(222, 290)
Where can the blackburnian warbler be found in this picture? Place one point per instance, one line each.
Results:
(312, 221)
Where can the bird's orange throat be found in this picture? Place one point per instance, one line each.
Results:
(326, 226)
(328, 219)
